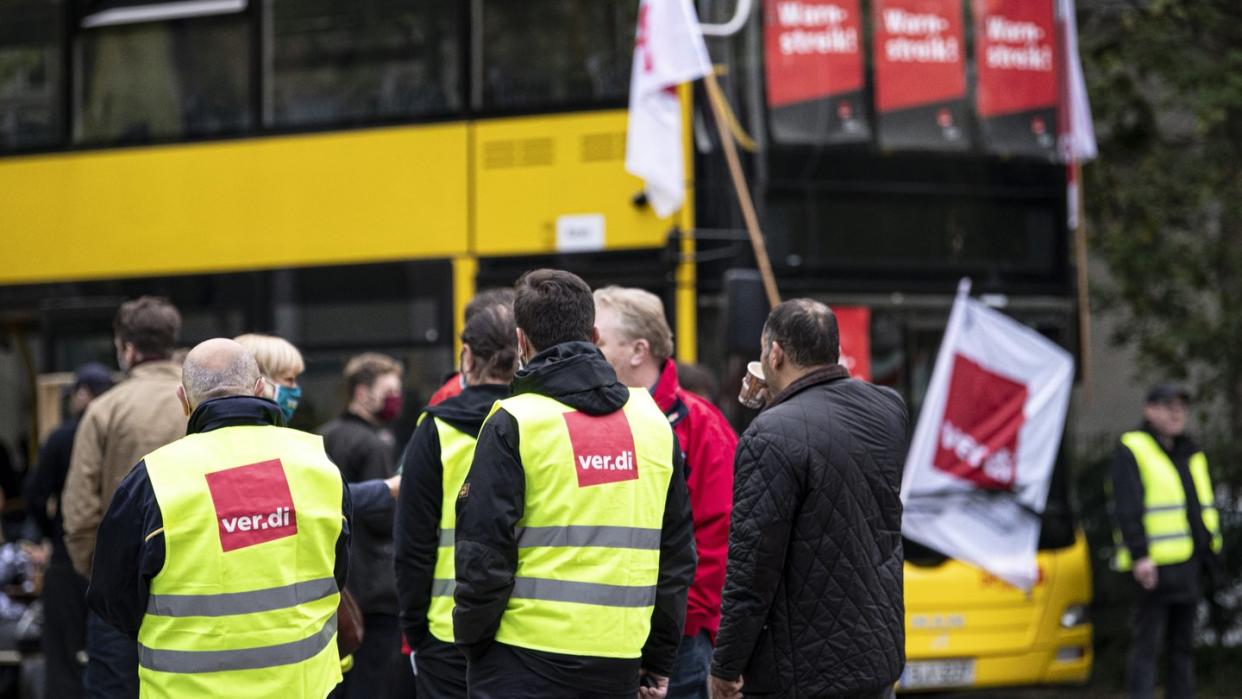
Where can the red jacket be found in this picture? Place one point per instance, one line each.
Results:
(708, 443)
(451, 387)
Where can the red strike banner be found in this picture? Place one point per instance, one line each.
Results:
(1017, 60)
(813, 49)
(854, 322)
(813, 63)
(920, 74)
(920, 53)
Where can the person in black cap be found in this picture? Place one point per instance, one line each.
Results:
(64, 591)
(1167, 535)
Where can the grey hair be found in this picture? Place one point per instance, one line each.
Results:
(203, 381)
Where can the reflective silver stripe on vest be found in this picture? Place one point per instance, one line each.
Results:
(230, 603)
(584, 593)
(578, 535)
(1163, 508)
(441, 587)
(190, 661)
(447, 536)
(1168, 537)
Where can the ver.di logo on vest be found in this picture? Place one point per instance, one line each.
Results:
(253, 504)
(603, 448)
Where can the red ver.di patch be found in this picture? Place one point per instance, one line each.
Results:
(603, 448)
(253, 504)
(978, 439)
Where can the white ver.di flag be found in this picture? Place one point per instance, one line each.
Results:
(668, 51)
(976, 479)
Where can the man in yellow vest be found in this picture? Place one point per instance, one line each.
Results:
(223, 552)
(433, 468)
(574, 542)
(1168, 534)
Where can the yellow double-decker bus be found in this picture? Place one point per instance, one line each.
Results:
(347, 174)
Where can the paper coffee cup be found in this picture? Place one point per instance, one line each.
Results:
(754, 387)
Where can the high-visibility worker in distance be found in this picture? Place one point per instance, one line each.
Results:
(433, 469)
(223, 552)
(574, 546)
(1168, 536)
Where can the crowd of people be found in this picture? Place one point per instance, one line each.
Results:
(567, 520)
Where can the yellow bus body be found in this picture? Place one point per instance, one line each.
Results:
(956, 612)
(472, 188)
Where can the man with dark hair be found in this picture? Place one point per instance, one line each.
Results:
(359, 445)
(1168, 536)
(64, 591)
(588, 596)
(138, 416)
(813, 591)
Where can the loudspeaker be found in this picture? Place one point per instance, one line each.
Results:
(746, 308)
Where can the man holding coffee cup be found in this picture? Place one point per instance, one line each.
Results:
(813, 592)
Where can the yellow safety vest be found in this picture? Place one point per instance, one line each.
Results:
(245, 605)
(456, 455)
(589, 539)
(1169, 537)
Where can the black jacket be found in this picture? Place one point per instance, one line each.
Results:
(130, 548)
(355, 446)
(813, 591)
(47, 481)
(576, 374)
(417, 534)
(1180, 582)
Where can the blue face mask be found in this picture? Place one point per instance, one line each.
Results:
(287, 398)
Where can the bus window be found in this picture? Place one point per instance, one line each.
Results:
(552, 53)
(30, 74)
(164, 80)
(335, 63)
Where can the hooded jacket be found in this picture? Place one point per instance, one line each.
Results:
(576, 374)
(417, 532)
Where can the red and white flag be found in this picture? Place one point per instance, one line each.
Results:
(668, 51)
(977, 476)
(1077, 142)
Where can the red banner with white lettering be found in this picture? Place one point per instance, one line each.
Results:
(814, 69)
(854, 324)
(920, 74)
(1018, 63)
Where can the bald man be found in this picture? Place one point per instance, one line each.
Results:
(223, 553)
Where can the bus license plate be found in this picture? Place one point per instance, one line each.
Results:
(938, 673)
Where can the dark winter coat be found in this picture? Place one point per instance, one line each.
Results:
(356, 447)
(813, 595)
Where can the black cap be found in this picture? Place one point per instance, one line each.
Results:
(94, 376)
(1166, 392)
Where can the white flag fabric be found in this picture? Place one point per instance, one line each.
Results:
(976, 479)
(1078, 139)
(668, 51)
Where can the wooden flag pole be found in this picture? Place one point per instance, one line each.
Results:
(716, 97)
(1084, 298)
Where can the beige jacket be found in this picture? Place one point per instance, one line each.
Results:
(138, 416)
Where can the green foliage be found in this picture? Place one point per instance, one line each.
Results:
(1164, 201)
